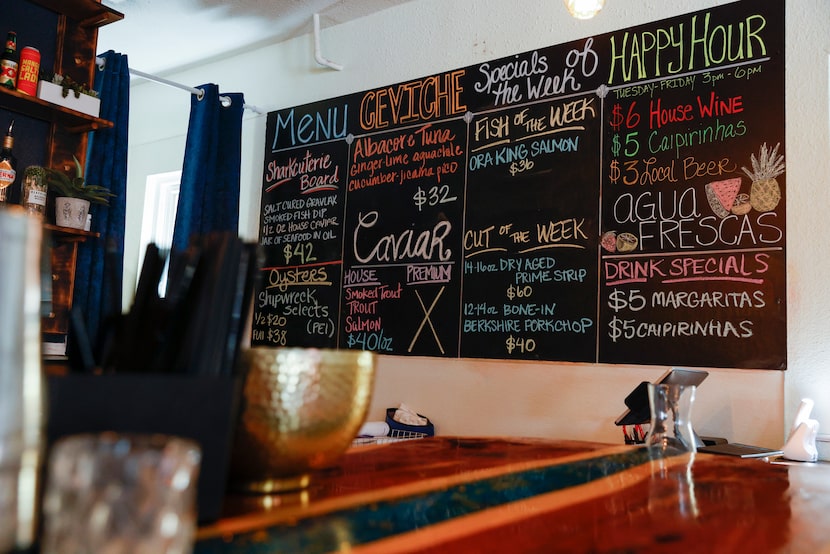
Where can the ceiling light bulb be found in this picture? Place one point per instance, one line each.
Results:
(584, 9)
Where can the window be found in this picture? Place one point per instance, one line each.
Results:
(161, 197)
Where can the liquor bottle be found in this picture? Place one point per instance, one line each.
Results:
(9, 62)
(8, 165)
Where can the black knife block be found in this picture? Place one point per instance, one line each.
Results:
(203, 409)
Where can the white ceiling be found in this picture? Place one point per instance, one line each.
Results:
(160, 36)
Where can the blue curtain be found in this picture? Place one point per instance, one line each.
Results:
(100, 265)
(209, 190)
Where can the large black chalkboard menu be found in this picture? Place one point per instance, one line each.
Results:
(616, 199)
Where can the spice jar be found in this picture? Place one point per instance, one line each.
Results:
(34, 190)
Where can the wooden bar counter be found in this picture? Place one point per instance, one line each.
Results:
(478, 495)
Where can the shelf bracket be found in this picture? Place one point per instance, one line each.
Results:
(318, 54)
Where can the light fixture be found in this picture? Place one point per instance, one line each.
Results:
(584, 9)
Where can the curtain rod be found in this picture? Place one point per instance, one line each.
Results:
(192, 90)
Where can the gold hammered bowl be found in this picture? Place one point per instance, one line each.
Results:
(301, 409)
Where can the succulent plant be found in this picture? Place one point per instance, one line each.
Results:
(76, 187)
(67, 84)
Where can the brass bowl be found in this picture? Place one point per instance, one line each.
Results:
(301, 409)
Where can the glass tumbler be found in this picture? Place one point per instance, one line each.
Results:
(121, 493)
(671, 431)
(22, 414)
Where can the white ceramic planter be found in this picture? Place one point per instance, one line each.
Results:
(54, 93)
(71, 212)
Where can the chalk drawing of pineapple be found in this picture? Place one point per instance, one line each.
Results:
(765, 192)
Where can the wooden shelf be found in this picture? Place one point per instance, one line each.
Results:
(89, 13)
(76, 31)
(69, 231)
(72, 121)
(64, 256)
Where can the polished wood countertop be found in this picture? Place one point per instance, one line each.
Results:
(479, 495)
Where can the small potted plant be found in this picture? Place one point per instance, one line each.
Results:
(64, 91)
(73, 196)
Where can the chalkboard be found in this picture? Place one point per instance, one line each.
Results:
(616, 199)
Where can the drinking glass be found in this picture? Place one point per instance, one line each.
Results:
(21, 377)
(671, 430)
(121, 493)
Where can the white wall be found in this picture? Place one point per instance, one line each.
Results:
(523, 398)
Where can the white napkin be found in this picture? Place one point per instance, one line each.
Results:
(406, 415)
(374, 429)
